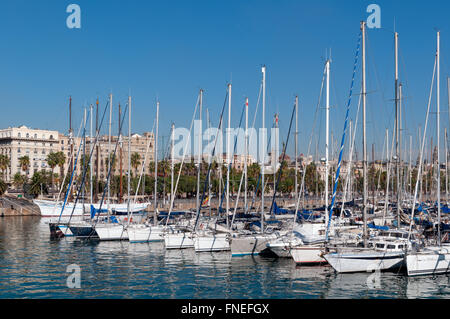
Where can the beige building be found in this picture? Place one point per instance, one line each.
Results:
(141, 144)
(16, 142)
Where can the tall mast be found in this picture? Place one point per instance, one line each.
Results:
(228, 152)
(209, 163)
(397, 130)
(70, 139)
(363, 29)
(97, 167)
(91, 151)
(327, 128)
(246, 155)
(84, 151)
(263, 146)
(129, 157)
(438, 92)
(296, 150)
(109, 149)
(155, 217)
(446, 166)
(199, 158)
(410, 165)
(172, 164)
(120, 159)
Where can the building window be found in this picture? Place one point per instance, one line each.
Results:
(28, 135)
(18, 135)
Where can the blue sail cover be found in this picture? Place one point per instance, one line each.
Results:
(95, 211)
(373, 226)
(280, 211)
(113, 219)
(308, 215)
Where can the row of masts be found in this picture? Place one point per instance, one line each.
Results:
(397, 132)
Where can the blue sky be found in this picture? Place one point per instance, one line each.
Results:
(171, 49)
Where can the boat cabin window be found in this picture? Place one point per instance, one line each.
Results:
(400, 246)
(390, 246)
(380, 246)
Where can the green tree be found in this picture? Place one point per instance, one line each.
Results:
(24, 163)
(4, 164)
(3, 187)
(19, 180)
(61, 159)
(135, 161)
(52, 161)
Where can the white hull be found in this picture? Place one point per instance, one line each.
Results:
(365, 260)
(308, 254)
(143, 233)
(210, 242)
(53, 209)
(249, 244)
(435, 260)
(50, 208)
(282, 246)
(111, 232)
(179, 240)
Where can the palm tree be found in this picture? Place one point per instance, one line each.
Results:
(61, 159)
(19, 179)
(112, 160)
(4, 164)
(24, 163)
(135, 161)
(3, 187)
(52, 161)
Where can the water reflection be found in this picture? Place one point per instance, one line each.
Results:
(34, 266)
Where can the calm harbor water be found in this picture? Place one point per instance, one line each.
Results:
(34, 266)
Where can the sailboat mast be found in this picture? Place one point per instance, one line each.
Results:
(363, 29)
(296, 149)
(199, 157)
(397, 130)
(70, 139)
(120, 159)
(246, 155)
(438, 91)
(155, 217)
(90, 163)
(263, 146)
(228, 152)
(129, 157)
(446, 166)
(97, 161)
(209, 162)
(109, 150)
(172, 164)
(327, 128)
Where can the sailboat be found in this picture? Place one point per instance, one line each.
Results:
(252, 244)
(181, 236)
(143, 232)
(207, 238)
(312, 234)
(387, 250)
(432, 259)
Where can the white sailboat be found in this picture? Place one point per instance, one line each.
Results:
(313, 234)
(252, 244)
(208, 240)
(432, 259)
(143, 232)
